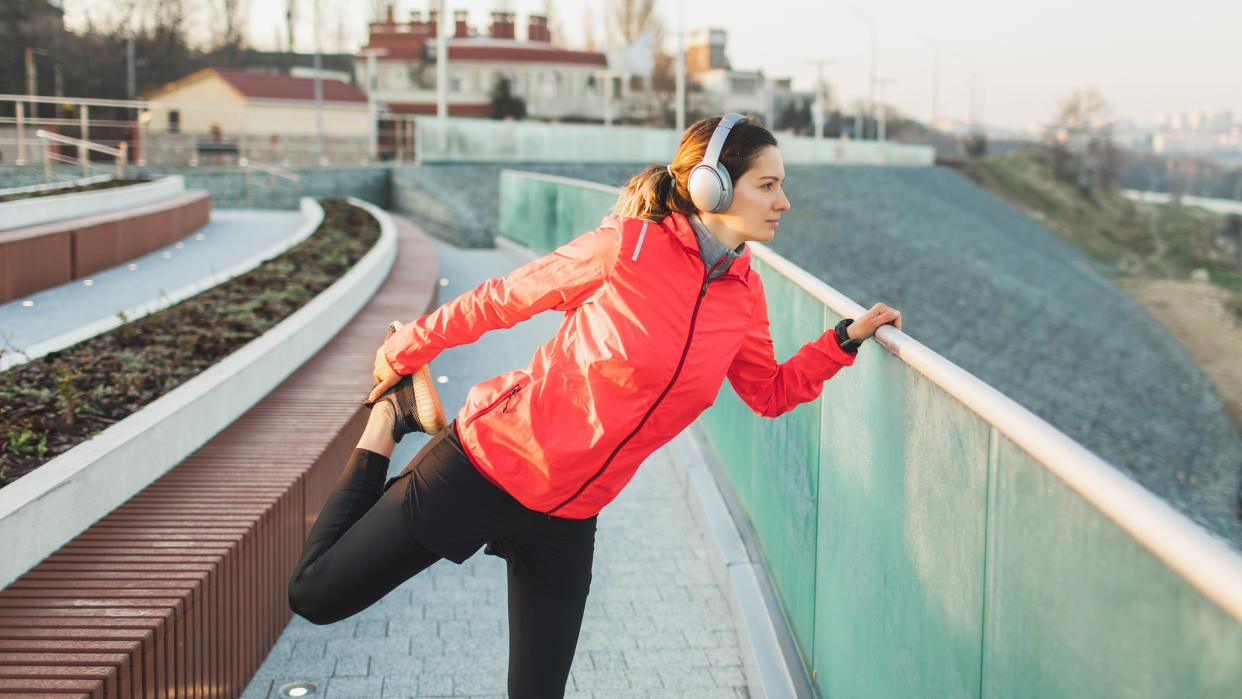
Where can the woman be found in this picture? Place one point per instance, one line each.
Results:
(660, 307)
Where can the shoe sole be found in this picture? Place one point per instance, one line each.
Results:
(426, 400)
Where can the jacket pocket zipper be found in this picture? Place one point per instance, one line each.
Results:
(506, 398)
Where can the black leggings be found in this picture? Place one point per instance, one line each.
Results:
(371, 536)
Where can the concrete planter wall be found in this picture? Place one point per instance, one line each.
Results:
(43, 510)
(31, 212)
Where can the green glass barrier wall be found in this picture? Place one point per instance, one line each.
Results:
(463, 139)
(918, 550)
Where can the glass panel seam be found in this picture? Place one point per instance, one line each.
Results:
(988, 526)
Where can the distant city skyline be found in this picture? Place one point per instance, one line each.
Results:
(1143, 57)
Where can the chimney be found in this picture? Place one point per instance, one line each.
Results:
(502, 25)
(463, 29)
(537, 30)
(388, 13)
(433, 22)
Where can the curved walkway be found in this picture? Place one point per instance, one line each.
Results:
(70, 309)
(657, 622)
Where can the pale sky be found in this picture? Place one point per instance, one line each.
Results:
(1145, 57)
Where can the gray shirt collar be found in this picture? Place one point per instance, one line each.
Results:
(712, 250)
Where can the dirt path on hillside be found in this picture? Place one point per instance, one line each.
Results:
(1194, 313)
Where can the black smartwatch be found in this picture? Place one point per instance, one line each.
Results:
(843, 337)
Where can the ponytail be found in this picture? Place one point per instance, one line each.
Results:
(653, 194)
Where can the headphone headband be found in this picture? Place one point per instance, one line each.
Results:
(716, 144)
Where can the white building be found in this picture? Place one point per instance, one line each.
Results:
(554, 83)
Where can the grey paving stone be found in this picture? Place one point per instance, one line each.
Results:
(731, 676)
(607, 661)
(304, 649)
(352, 666)
(396, 665)
(298, 669)
(480, 680)
(371, 629)
(365, 647)
(400, 686)
(435, 685)
(354, 687)
(257, 690)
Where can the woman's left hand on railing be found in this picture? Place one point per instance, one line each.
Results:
(864, 326)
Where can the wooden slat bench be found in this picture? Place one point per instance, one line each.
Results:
(181, 591)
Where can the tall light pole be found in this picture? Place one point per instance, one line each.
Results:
(972, 118)
(319, 138)
(372, 110)
(935, 78)
(875, 40)
(680, 80)
(883, 114)
(820, 103)
(442, 75)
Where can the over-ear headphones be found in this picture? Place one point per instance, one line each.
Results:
(711, 188)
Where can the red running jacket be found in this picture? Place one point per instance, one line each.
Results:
(643, 349)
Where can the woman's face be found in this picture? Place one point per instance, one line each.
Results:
(758, 202)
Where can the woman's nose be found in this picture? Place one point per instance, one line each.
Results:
(783, 204)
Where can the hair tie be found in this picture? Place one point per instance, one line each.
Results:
(669, 169)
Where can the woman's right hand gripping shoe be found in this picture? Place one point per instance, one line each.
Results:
(414, 400)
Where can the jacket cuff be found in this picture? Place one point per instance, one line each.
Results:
(833, 349)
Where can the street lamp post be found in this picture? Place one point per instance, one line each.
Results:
(820, 103)
(372, 109)
(883, 111)
(935, 77)
(875, 40)
(319, 137)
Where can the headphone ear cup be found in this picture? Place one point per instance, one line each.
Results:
(705, 187)
(726, 189)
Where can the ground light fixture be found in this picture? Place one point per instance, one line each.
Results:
(298, 689)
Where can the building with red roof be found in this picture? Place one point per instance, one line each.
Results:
(555, 83)
(263, 116)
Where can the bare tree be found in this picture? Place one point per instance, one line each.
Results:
(379, 10)
(554, 25)
(233, 23)
(588, 29)
(630, 19)
(1080, 137)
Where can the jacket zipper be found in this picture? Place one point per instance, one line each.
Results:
(506, 397)
(694, 315)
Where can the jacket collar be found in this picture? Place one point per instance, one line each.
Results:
(679, 227)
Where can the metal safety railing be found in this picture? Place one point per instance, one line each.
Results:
(121, 154)
(273, 172)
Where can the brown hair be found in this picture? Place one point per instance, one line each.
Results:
(653, 193)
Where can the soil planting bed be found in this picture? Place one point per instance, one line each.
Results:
(53, 403)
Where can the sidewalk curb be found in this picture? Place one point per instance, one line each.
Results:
(767, 673)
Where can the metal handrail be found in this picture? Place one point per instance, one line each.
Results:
(272, 170)
(121, 154)
(272, 173)
(97, 147)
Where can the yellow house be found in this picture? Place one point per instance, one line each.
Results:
(271, 117)
(235, 102)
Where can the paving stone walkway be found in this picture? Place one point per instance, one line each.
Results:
(657, 623)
